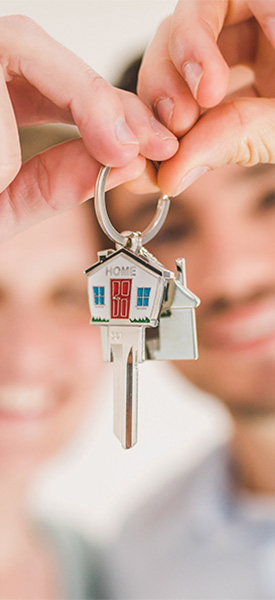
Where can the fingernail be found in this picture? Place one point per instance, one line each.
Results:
(270, 29)
(123, 132)
(192, 73)
(164, 108)
(160, 130)
(191, 177)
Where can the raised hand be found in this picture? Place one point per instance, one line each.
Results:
(42, 81)
(186, 72)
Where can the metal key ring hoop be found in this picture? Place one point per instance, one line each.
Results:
(105, 223)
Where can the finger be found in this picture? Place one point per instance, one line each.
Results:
(238, 132)
(193, 48)
(264, 12)
(163, 89)
(55, 180)
(146, 183)
(238, 43)
(66, 81)
(10, 153)
(32, 108)
(264, 69)
(155, 141)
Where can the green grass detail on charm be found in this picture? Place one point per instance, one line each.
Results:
(146, 320)
(99, 320)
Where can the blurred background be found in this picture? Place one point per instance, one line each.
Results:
(95, 483)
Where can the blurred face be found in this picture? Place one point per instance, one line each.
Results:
(50, 355)
(224, 225)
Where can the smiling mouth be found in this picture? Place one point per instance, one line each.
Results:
(241, 329)
(24, 401)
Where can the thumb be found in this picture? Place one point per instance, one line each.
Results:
(240, 132)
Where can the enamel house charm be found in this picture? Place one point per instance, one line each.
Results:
(144, 310)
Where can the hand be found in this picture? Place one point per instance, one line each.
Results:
(41, 81)
(192, 54)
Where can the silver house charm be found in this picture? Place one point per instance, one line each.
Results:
(175, 337)
(144, 311)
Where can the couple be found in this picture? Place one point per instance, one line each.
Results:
(211, 536)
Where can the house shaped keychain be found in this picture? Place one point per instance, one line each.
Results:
(144, 310)
(124, 289)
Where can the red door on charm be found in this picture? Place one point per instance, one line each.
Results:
(120, 298)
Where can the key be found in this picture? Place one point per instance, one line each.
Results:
(143, 309)
(126, 291)
(144, 312)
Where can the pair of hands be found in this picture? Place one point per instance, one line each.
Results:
(185, 72)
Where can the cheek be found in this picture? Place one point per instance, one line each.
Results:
(82, 372)
(211, 376)
(72, 364)
(249, 380)
(81, 353)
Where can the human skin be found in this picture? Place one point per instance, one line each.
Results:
(42, 81)
(188, 66)
(185, 74)
(50, 363)
(223, 225)
(49, 354)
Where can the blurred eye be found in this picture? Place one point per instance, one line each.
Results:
(70, 298)
(268, 200)
(174, 232)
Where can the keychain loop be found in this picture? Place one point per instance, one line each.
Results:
(101, 212)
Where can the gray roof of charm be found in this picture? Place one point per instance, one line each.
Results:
(132, 256)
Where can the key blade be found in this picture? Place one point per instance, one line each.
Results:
(131, 401)
(127, 351)
(125, 396)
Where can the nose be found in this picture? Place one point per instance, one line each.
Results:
(233, 261)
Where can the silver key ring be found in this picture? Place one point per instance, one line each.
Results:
(105, 223)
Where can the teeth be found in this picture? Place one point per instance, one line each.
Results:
(24, 400)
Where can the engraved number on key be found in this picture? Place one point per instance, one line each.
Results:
(115, 336)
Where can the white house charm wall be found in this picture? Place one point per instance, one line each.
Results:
(124, 290)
